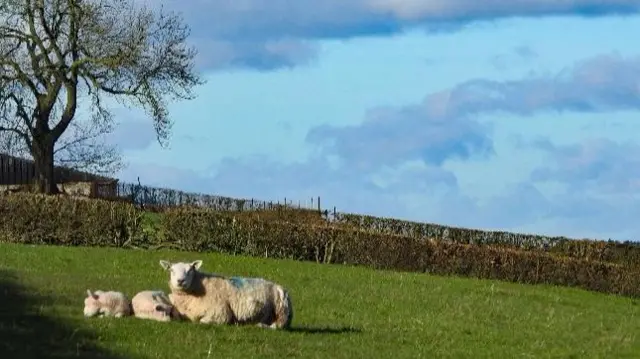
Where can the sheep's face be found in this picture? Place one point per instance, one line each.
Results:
(92, 305)
(164, 312)
(181, 273)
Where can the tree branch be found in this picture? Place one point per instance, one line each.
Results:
(53, 38)
(27, 40)
(20, 75)
(23, 135)
(20, 111)
(69, 110)
(34, 33)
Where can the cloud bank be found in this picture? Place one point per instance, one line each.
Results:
(594, 165)
(445, 126)
(271, 34)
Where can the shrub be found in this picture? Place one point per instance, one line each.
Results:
(63, 220)
(201, 230)
(625, 253)
(281, 213)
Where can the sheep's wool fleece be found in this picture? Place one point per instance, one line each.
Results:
(110, 303)
(226, 300)
(145, 304)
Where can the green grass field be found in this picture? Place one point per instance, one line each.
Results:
(340, 312)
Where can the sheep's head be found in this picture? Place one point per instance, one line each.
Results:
(164, 312)
(92, 305)
(182, 273)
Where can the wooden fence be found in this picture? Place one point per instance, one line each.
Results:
(20, 171)
(16, 171)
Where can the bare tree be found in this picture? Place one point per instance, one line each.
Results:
(83, 147)
(55, 53)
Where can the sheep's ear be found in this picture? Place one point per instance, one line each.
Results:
(92, 295)
(196, 264)
(165, 264)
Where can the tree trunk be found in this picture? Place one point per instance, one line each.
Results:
(42, 152)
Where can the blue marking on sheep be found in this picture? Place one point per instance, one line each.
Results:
(238, 282)
(244, 282)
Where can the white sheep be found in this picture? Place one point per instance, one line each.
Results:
(110, 304)
(211, 298)
(153, 305)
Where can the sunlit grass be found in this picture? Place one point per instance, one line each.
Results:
(339, 312)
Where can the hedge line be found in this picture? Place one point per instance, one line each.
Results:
(625, 253)
(207, 230)
(60, 220)
(296, 215)
(38, 219)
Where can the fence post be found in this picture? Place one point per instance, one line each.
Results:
(319, 209)
(13, 171)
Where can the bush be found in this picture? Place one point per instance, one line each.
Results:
(63, 220)
(201, 230)
(625, 253)
(281, 213)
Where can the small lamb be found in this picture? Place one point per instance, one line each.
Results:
(100, 303)
(214, 299)
(154, 305)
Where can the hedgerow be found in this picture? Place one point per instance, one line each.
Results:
(62, 220)
(202, 230)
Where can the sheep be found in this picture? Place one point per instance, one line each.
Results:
(153, 305)
(210, 298)
(110, 303)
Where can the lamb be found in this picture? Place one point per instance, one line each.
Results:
(215, 299)
(154, 305)
(110, 303)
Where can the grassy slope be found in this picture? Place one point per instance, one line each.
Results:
(340, 312)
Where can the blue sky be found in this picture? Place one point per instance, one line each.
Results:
(518, 116)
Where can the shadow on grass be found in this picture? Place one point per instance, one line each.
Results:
(324, 330)
(25, 333)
